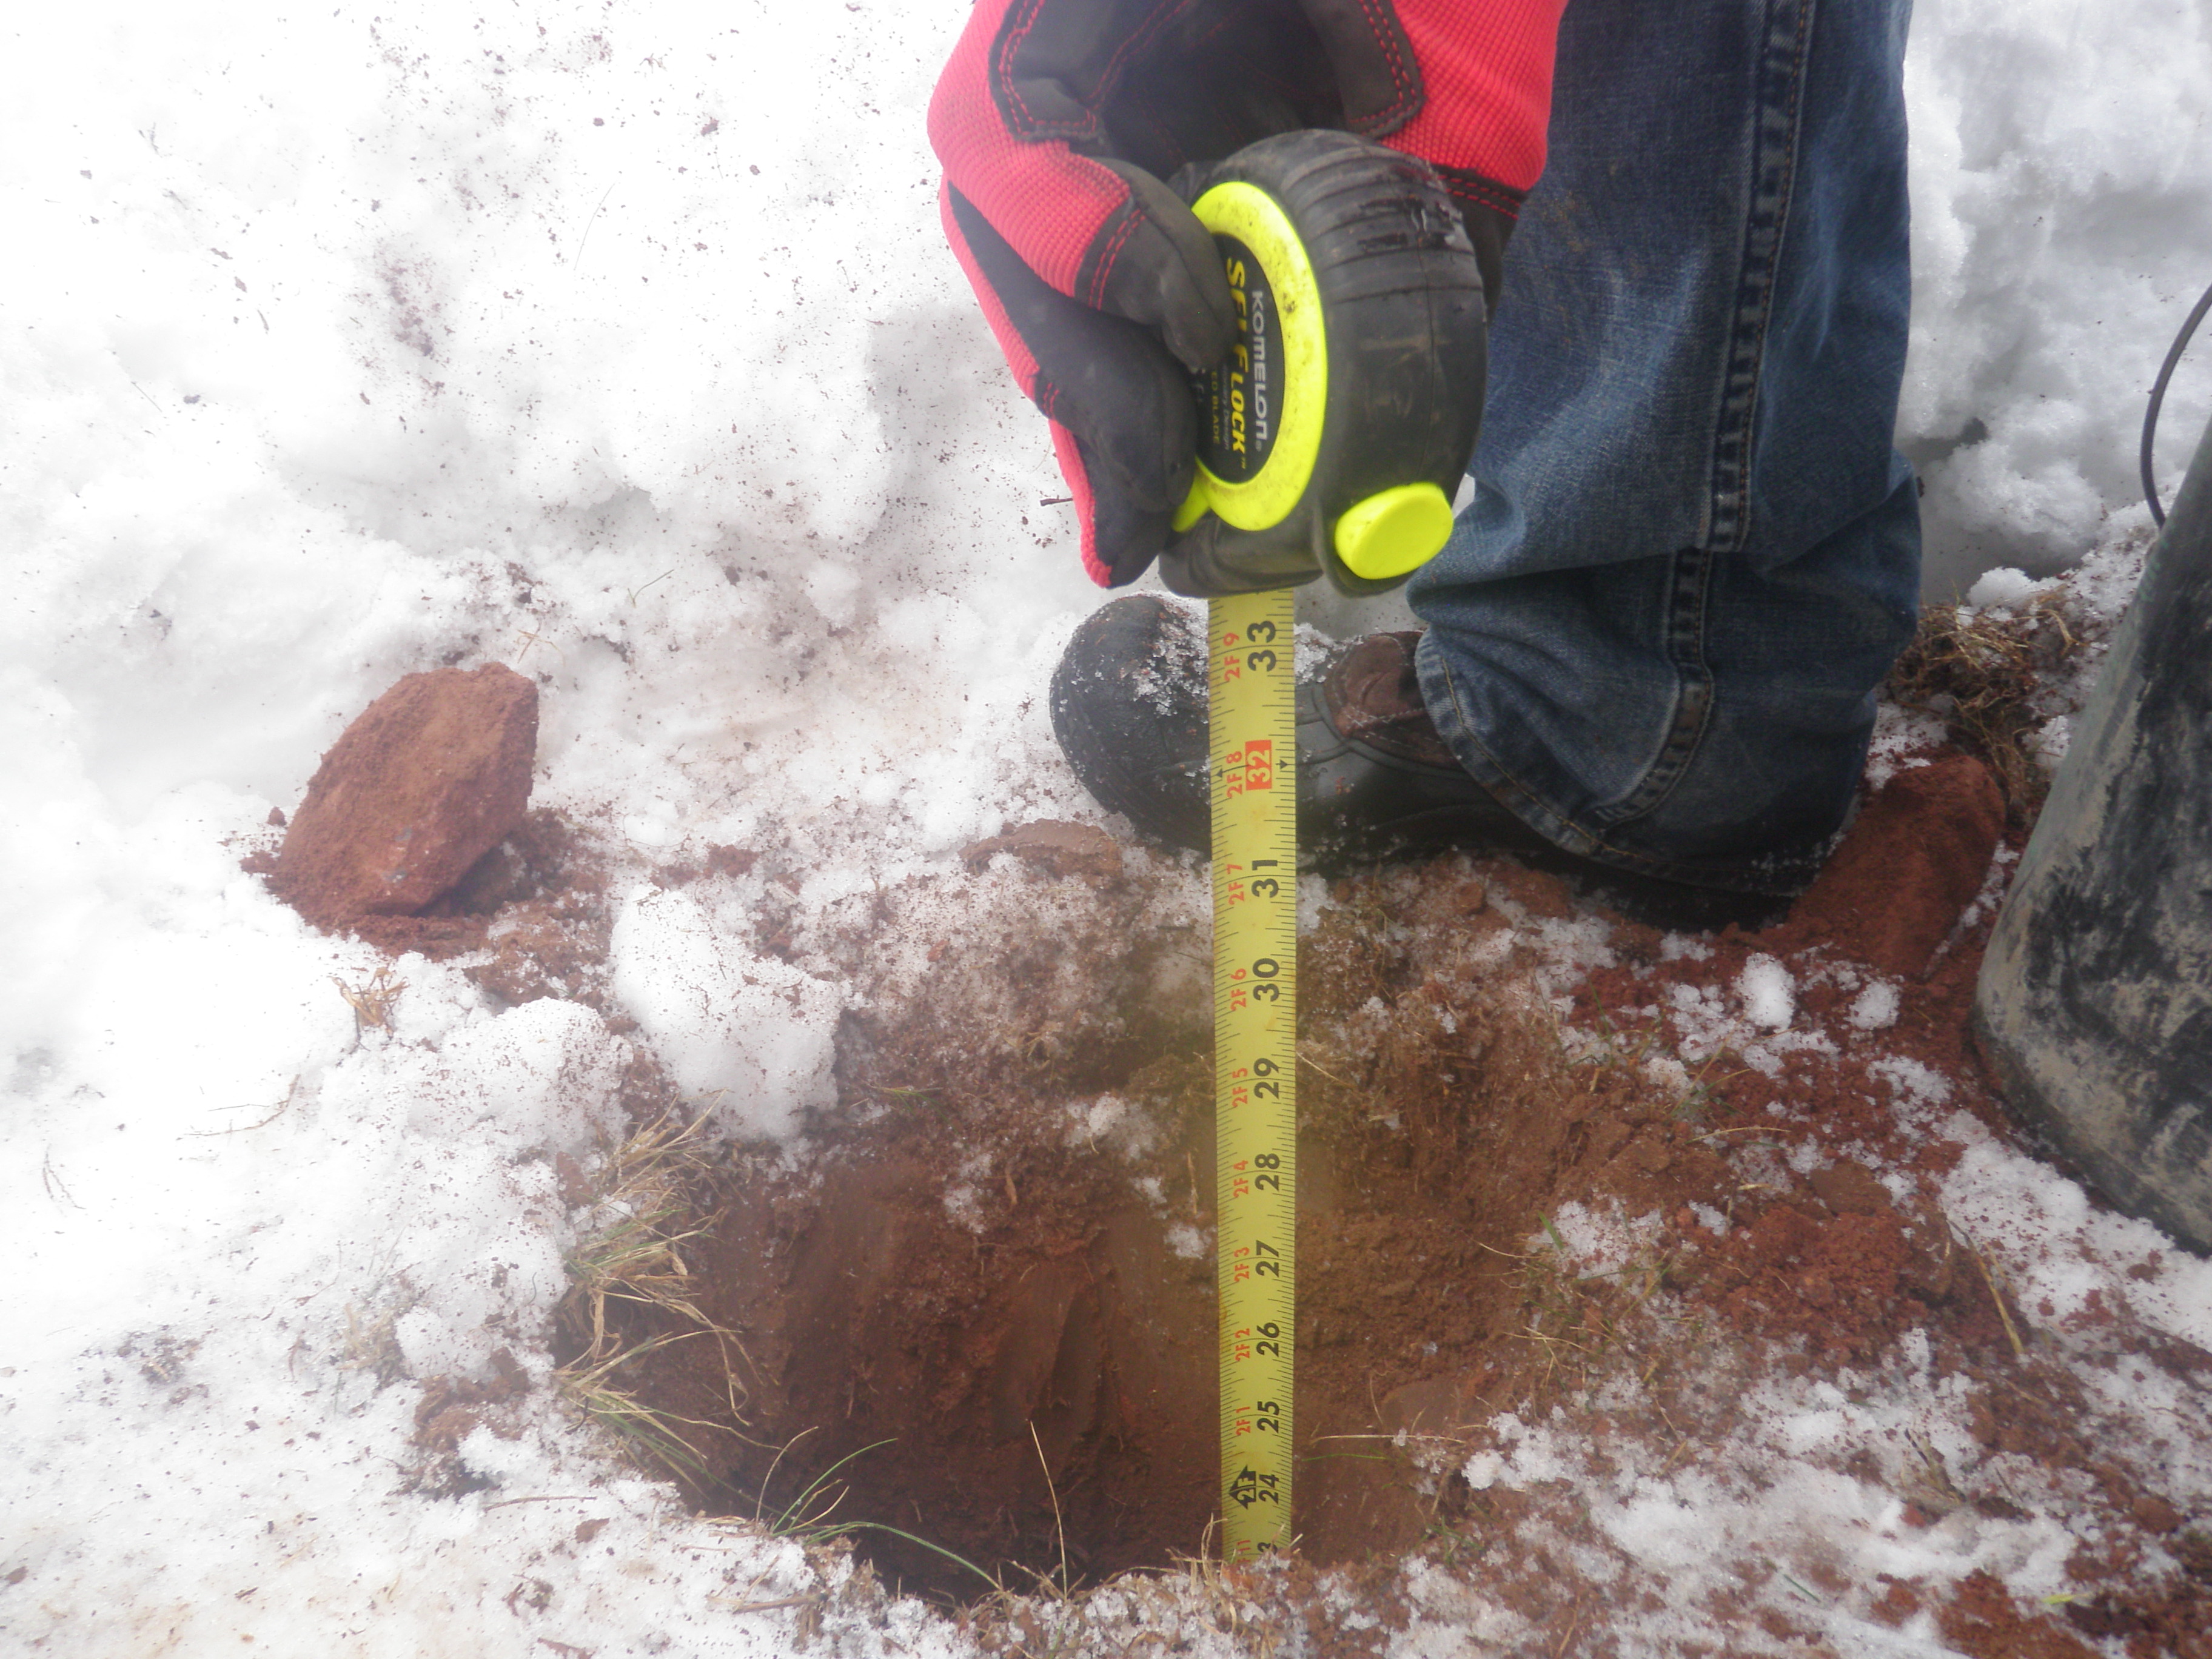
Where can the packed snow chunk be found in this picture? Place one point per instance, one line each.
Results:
(2003, 588)
(748, 1036)
(547, 1073)
(1874, 1008)
(1769, 996)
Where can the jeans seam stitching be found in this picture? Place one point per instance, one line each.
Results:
(1774, 175)
(1691, 585)
(1593, 841)
(1584, 843)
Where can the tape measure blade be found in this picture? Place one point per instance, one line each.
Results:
(1253, 744)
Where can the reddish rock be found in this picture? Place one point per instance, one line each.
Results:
(1911, 862)
(1055, 846)
(1850, 1188)
(431, 776)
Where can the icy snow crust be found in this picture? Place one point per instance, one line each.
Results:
(620, 346)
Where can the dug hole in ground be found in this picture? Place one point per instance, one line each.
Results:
(584, 1080)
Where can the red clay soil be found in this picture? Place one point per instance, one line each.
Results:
(865, 1309)
(1838, 1267)
(1029, 1364)
(962, 1324)
(1986, 1620)
(426, 780)
(955, 1371)
(1914, 859)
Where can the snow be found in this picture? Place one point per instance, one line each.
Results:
(2060, 1248)
(2003, 588)
(2062, 183)
(1791, 1513)
(750, 1033)
(1774, 1490)
(1874, 1008)
(1898, 734)
(1600, 1242)
(620, 346)
(1757, 1028)
(1916, 1085)
(1769, 996)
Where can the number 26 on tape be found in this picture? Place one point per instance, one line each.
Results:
(1269, 1344)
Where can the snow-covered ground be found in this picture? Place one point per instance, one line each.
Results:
(618, 344)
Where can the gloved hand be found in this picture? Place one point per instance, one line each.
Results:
(1057, 119)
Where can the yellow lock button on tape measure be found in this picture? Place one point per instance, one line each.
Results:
(1333, 436)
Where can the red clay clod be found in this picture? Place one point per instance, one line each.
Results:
(430, 777)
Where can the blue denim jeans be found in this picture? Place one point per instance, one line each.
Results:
(1692, 552)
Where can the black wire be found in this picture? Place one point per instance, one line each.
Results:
(2158, 397)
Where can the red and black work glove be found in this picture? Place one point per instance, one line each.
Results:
(1057, 119)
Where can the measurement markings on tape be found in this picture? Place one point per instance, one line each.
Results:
(1253, 752)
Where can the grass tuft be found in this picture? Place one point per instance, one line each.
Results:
(373, 1002)
(1978, 673)
(596, 1388)
(1583, 1322)
(634, 1260)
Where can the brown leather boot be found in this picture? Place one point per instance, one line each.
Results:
(1375, 779)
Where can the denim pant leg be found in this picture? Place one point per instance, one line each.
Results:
(1692, 552)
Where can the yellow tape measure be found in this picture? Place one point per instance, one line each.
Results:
(1254, 746)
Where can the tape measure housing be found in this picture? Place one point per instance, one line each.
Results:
(1334, 434)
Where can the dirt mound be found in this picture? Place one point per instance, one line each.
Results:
(1914, 859)
(427, 782)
